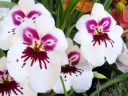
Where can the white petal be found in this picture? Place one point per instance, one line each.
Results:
(82, 82)
(58, 88)
(42, 9)
(113, 52)
(80, 24)
(93, 54)
(62, 56)
(81, 35)
(4, 35)
(46, 78)
(44, 24)
(26, 5)
(70, 45)
(27, 90)
(3, 12)
(122, 62)
(3, 63)
(15, 62)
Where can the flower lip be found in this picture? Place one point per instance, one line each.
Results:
(8, 85)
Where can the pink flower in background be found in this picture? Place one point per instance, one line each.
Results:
(99, 36)
(77, 73)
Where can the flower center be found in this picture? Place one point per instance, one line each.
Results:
(38, 46)
(8, 85)
(70, 69)
(99, 31)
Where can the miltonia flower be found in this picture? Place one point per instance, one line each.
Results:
(99, 36)
(122, 60)
(77, 73)
(17, 15)
(37, 54)
(8, 86)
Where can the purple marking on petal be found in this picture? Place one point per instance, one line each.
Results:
(74, 57)
(105, 23)
(91, 26)
(6, 72)
(33, 14)
(49, 42)
(29, 35)
(18, 17)
(1, 73)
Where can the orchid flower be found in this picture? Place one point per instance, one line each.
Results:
(8, 85)
(77, 73)
(26, 9)
(38, 54)
(99, 36)
(122, 60)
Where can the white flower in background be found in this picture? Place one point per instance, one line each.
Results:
(26, 9)
(122, 60)
(8, 85)
(4, 10)
(77, 73)
(38, 54)
(99, 36)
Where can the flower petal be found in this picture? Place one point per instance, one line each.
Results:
(46, 78)
(3, 63)
(15, 62)
(42, 9)
(58, 88)
(83, 82)
(4, 35)
(113, 52)
(27, 5)
(44, 24)
(70, 45)
(27, 91)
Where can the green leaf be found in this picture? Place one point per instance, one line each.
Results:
(110, 82)
(99, 75)
(84, 94)
(67, 13)
(6, 4)
(2, 53)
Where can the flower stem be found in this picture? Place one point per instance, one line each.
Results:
(62, 81)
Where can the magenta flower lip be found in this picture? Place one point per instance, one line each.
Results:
(9, 85)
